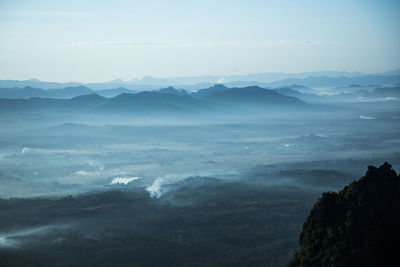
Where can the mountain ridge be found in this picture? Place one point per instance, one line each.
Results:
(153, 101)
(193, 82)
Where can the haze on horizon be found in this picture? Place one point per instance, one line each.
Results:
(92, 41)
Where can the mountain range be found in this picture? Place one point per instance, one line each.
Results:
(313, 79)
(163, 100)
(67, 92)
(171, 99)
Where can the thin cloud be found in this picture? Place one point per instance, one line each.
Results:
(120, 43)
(77, 44)
(198, 44)
(209, 44)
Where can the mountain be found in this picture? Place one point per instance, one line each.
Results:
(339, 81)
(302, 96)
(28, 92)
(152, 102)
(359, 226)
(386, 92)
(320, 98)
(213, 89)
(114, 92)
(172, 91)
(299, 88)
(86, 101)
(317, 78)
(67, 92)
(251, 95)
(260, 77)
(36, 83)
(25, 92)
(168, 100)
(391, 72)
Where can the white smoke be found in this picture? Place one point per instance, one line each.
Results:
(288, 145)
(7, 242)
(155, 189)
(124, 180)
(16, 238)
(367, 118)
(221, 80)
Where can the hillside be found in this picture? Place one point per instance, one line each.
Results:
(359, 226)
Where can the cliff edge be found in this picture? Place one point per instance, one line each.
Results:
(359, 226)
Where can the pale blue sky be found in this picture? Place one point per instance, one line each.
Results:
(103, 40)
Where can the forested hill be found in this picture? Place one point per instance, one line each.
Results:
(359, 226)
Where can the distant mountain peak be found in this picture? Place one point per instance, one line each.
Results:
(204, 92)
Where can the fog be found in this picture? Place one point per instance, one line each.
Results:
(192, 178)
(19, 238)
(50, 154)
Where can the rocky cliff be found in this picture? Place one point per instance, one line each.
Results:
(359, 226)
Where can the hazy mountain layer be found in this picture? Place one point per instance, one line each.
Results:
(165, 100)
(313, 79)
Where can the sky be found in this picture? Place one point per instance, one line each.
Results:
(95, 41)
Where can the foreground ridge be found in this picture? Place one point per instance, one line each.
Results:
(359, 226)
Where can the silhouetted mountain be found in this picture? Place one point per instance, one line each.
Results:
(152, 102)
(25, 92)
(28, 92)
(386, 92)
(172, 91)
(36, 83)
(114, 92)
(339, 81)
(359, 226)
(317, 78)
(87, 101)
(67, 92)
(251, 95)
(205, 92)
(169, 99)
(310, 79)
(35, 103)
